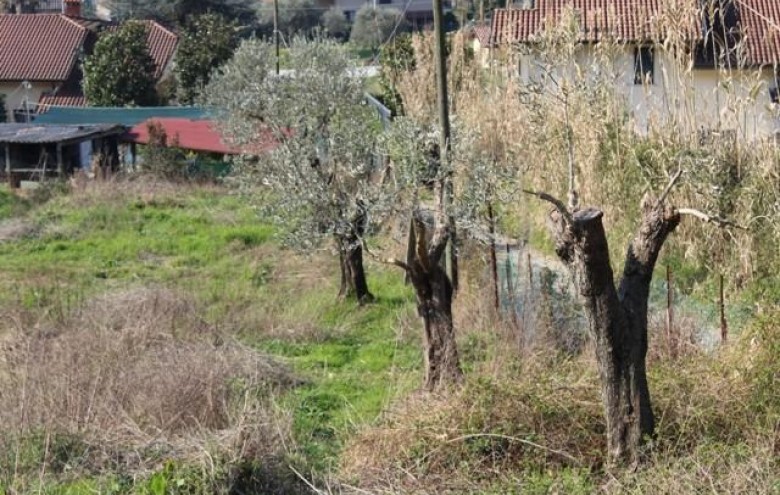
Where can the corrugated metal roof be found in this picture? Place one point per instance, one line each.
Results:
(198, 135)
(39, 47)
(124, 116)
(47, 134)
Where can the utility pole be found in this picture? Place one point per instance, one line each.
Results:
(276, 33)
(444, 137)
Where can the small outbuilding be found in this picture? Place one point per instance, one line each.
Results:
(36, 151)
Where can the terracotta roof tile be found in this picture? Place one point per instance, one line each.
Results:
(638, 20)
(760, 20)
(622, 20)
(69, 100)
(482, 34)
(162, 44)
(39, 47)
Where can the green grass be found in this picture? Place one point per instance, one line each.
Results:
(211, 245)
(353, 373)
(10, 204)
(97, 247)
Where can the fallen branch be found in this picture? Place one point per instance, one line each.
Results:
(719, 221)
(523, 441)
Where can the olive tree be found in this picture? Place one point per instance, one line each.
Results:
(440, 197)
(617, 312)
(323, 174)
(376, 25)
(335, 23)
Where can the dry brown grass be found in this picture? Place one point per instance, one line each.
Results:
(138, 377)
(529, 420)
(484, 434)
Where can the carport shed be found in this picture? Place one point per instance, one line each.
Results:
(27, 148)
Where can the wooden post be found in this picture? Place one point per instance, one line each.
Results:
(60, 165)
(670, 312)
(493, 260)
(8, 165)
(444, 137)
(508, 268)
(276, 33)
(509, 288)
(530, 273)
(724, 328)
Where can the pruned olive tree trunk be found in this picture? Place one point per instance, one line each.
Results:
(353, 276)
(616, 315)
(434, 292)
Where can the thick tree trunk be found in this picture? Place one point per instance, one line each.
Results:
(434, 304)
(353, 276)
(434, 292)
(617, 318)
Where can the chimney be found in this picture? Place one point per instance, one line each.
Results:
(71, 8)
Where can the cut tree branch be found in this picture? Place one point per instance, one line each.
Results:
(388, 261)
(669, 187)
(719, 221)
(554, 201)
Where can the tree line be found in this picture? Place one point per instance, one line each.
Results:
(120, 70)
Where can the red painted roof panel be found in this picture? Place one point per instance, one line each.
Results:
(197, 135)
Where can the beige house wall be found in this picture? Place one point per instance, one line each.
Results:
(698, 100)
(15, 95)
(353, 6)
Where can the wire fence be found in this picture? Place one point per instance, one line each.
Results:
(538, 295)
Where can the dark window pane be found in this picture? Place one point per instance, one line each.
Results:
(643, 65)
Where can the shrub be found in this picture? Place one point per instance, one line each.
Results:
(374, 26)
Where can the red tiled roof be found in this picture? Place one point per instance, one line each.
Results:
(760, 21)
(162, 45)
(638, 20)
(621, 20)
(482, 34)
(58, 100)
(38, 47)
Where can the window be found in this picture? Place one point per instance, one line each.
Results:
(774, 95)
(385, 2)
(644, 62)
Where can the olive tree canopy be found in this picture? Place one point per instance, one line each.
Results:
(376, 25)
(324, 176)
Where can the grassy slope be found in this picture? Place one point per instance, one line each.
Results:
(354, 361)
(351, 360)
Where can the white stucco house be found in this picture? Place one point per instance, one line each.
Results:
(418, 12)
(715, 72)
